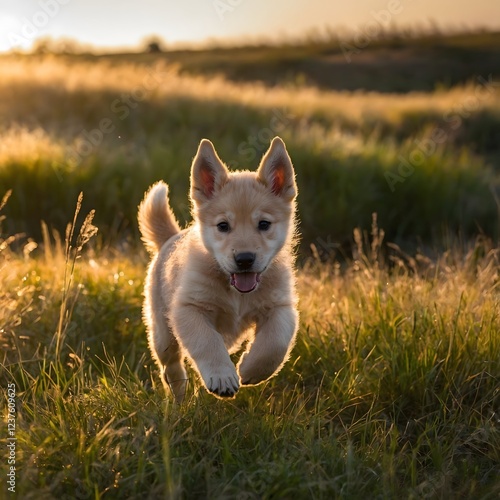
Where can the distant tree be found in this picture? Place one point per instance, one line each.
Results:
(154, 44)
(63, 45)
(43, 45)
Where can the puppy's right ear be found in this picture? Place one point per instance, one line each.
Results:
(208, 173)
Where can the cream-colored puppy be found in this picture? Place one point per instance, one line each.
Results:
(227, 278)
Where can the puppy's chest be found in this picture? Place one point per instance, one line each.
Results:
(233, 318)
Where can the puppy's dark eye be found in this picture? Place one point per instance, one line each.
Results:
(264, 225)
(223, 227)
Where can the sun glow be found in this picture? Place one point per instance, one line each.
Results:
(124, 24)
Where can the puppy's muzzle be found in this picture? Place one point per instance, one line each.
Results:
(244, 260)
(244, 279)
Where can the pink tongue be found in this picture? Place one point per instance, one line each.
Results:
(244, 282)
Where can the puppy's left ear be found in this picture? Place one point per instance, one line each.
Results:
(276, 171)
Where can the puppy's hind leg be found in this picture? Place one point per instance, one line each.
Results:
(173, 371)
(168, 355)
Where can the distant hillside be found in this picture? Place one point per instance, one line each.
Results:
(394, 63)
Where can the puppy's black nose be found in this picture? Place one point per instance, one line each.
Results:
(244, 260)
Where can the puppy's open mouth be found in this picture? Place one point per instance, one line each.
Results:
(245, 282)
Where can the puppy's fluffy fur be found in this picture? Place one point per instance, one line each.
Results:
(227, 278)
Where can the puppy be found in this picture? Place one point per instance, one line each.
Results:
(227, 278)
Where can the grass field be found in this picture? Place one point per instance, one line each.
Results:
(392, 388)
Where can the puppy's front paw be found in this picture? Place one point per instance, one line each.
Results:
(253, 373)
(223, 383)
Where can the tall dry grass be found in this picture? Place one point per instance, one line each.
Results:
(346, 146)
(64, 75)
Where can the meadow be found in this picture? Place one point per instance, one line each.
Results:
(392, 388)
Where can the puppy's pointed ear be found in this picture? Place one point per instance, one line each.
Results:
(276, 171)
(208, 173)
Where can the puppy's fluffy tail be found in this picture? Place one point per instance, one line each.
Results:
(156, 221)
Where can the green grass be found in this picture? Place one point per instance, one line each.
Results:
(392, 388)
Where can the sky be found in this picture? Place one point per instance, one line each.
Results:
(112, 24)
